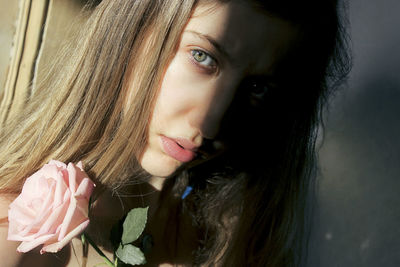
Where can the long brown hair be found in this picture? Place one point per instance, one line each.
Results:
(79, 112)
(96, 103)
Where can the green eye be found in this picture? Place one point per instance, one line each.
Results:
(199, 56)
(203, 59)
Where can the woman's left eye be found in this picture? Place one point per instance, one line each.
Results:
(203, 58)
(258, 90)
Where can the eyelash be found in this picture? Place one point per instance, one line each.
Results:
(209, 66)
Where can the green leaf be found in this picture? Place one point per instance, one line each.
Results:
(130, 254)
(134, 225)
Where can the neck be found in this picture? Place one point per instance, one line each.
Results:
(157, 182)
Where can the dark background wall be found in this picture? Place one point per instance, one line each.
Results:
(357, 217)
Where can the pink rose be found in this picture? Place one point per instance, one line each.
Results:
(52, 207)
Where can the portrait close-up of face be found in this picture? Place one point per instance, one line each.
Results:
(221, 45)
(164, 132)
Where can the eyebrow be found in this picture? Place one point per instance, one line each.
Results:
(220, 48)
(223, 51)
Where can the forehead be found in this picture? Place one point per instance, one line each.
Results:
(253, 40)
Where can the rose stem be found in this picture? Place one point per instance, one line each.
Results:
(107, 260)
(85, 250)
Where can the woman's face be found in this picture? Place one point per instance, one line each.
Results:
(221, 45)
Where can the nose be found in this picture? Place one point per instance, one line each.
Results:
(210, 109)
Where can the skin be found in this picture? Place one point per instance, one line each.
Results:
(201, 81)
(221, 45)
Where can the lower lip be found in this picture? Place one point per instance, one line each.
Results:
(176, 151)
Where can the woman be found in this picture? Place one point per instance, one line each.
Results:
(224, 96)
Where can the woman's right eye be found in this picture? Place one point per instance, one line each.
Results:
(203, 59)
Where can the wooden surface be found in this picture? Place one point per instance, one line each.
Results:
(33, 32)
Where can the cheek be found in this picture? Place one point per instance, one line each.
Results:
(179, 88)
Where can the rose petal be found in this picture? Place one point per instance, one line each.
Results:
(68, 218)
(82, 208)
(55, 219)
(20, 213)
(67, 196)
(85, 189)
(59, 164)
(61, 187)
(81, 175)
(29, 245)
(46, 203)
(55, 247)
(78, 213)
(41, 215)
(35, 187)
(52, 207)
(72, 178)
(80, 165)
(50, 172)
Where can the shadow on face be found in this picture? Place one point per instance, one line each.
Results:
(217, 84)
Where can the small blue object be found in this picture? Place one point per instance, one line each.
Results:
(187, 192)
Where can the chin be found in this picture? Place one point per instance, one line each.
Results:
(158, 164)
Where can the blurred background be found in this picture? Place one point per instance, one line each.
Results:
(357, 220)
(357, 214)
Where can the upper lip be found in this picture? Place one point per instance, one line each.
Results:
(186, 143)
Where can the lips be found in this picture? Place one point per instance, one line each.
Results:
(180, 149)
